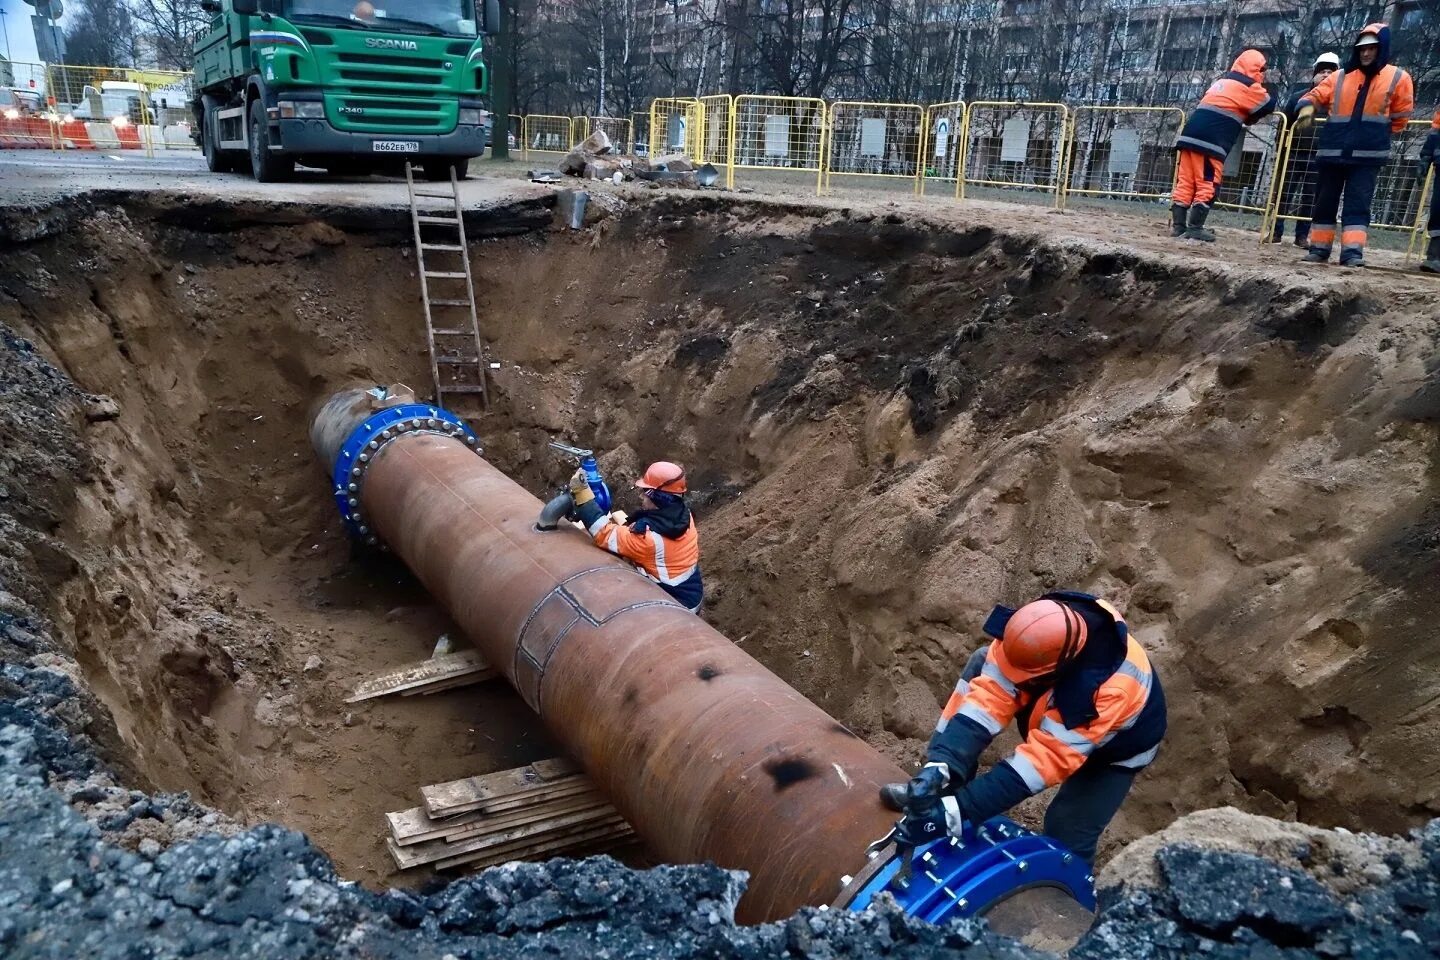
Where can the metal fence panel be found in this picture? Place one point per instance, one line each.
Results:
(1121, 152)
(1014, 146)
(676, 124)
(715, 132)
(1399, 191)
(944, 141)
(1251, 172)
(778, 133)
(868, 139)
(547, 133)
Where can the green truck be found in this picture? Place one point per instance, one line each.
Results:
(345, 85)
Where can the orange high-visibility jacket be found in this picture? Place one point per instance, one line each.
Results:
(1365, 108)
(672, 562)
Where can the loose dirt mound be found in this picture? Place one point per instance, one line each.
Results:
(890, 427)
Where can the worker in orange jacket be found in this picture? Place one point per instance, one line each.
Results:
(1236, 100)
(1430, 156)
(1369, 101)
(660, 540)
(1088, 702)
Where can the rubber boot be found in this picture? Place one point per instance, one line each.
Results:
(1177, 219)
(894, 795)
(1302, 235)
(1196, 230)
(1352, 258)
(1431, 263)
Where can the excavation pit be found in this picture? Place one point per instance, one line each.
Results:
(890, 425)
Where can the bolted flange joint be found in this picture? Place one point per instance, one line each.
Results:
(367, 441)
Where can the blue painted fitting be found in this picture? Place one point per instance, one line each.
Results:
(965, 876)
(366, 440)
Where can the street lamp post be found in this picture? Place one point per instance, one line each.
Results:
(5, 25)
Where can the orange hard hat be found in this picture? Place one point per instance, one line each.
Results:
(1040, 636)
(664, 476)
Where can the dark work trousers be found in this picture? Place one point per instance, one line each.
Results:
(1357, 184)
(1298, 192)
(1086, 803)
(1432, 226)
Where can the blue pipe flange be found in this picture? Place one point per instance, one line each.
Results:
(367, 440)
(965, 876)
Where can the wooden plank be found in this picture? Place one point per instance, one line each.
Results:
(546, 845)
(560, 790)
(436, 850)
(580, 839)
(494, 824)
(471, 792)
(468, 680)
(415, 826)
(421, 674)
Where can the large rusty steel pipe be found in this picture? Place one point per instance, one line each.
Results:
(705, 752)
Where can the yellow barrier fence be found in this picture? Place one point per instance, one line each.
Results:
(616, 128)
(547, 133)
(1399, 203)
(675, 126)
(1424, 230)
(1014, 146)
(715, 131)
(1251, 172)
(944, 132)
(778, 133)
(1121, 153)
(121, 108)
(868, 139)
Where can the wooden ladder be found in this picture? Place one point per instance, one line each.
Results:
(454, 347)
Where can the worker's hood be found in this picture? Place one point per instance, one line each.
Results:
(1382, 33)
(1252, 64)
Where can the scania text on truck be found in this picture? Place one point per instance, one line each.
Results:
(353, 86)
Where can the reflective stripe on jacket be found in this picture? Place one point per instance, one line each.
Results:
(672, 562)
(1235, 100)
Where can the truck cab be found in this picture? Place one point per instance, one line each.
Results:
(348, 85)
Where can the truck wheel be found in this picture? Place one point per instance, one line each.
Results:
(264, 165)
(440, 169)
(217, 160)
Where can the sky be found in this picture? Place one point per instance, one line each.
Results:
(17, 25)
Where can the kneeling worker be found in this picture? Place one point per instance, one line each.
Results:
(1088, 702)
(660, 540)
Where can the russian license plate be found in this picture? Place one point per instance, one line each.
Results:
(396, 146)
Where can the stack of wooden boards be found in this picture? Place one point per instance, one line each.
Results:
(547, 809)
(445, 672)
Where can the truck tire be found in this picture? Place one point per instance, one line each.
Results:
(265, 166)
(217, 160)
(440, 169)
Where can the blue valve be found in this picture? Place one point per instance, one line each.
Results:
(965, 876)
(592, 472)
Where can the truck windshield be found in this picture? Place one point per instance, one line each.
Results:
(451, 17)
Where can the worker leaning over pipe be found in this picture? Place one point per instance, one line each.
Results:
(661, 539)
(1369, 101)
(1088, 702)
(1234, 101)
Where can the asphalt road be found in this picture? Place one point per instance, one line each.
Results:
(39, 176)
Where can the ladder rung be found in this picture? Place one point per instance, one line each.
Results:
(439, 196)
(446, 274)
(448, 332)
(449, 303)
(441, 246)
(430, 219)
(457, 359)
(462, 388)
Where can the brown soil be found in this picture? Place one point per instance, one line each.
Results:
(891, 424)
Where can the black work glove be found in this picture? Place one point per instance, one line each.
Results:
(1422, 168)
(929, 813)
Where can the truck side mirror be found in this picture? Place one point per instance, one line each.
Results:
(245, 6)
(492, 17)
(210, 6)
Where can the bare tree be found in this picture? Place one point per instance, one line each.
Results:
(169, 27)
(102, 33)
